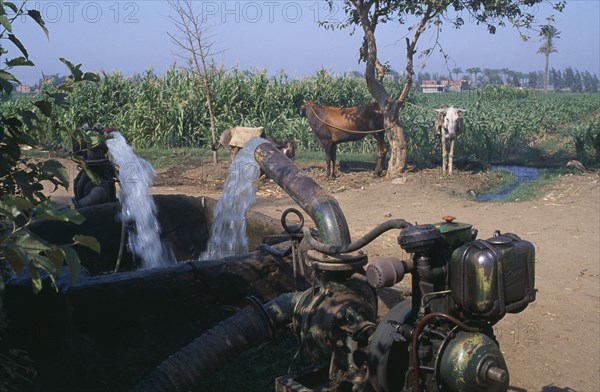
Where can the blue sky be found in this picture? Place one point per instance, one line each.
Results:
(131, 36)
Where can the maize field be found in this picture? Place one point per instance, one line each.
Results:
(170, 111)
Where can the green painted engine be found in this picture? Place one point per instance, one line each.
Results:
(441, 339)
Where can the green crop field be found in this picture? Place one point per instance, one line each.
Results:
(169, 111)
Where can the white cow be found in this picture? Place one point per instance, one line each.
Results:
(449, 124)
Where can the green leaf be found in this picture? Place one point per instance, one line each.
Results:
(24, 182)
(67, 86)
(75, 69)
(49, 210)
(12, 6)
(18, 62)
(5, 85)
(61, 99)
(28, 116)
(30, 244)
(87, 241)
(44, 106)
(13, 206)
(16, 259)
(35, 279)
(5, 22)
(7, 76)
(57, 256)
(72, 259)
(92, 176)
(12, 38)
(91, 77)
(35, 15)
(47, 265)
(54, 169)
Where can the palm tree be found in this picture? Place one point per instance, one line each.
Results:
(474, 71)
(492, 76)
(456, 71)
(506, 72)
(548, 33)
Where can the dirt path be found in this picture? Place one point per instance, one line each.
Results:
(554, 345)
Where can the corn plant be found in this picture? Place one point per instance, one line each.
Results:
(170, 111)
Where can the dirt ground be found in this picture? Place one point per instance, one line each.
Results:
(554, 345)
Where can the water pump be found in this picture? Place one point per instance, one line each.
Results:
(439, 339)
(461, 287)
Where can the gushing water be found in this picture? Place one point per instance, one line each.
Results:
(136, 175)
(228, 234)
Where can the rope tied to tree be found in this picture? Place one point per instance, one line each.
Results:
(342, 129)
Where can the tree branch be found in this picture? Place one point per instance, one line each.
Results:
(410, 52)
(369, 52)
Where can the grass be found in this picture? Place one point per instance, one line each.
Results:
(161, 158)
(496, 180)
(255, 370)
(492, 181)
(533, 190)
(319, 156)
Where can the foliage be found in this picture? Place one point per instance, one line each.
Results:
(586, 139)
(22, 202)
(192, 37)
(429, 14)
(532, 190)
(169, 111)
(548, 33)
(499, 122)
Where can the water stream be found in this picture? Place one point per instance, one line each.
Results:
(138, 209)
(522, 175)
(228, 233)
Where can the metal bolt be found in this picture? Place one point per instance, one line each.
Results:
(496, 374)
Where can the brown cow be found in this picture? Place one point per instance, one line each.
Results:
(332, 125)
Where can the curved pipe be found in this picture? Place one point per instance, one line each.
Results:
(248, 328)
(318, 204)
(330, 248)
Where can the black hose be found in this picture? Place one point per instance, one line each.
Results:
(248, 328)
(356, 245)
(273, 251)
(274, 239)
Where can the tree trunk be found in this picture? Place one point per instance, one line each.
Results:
(395, 134)
(546, 73)
(211, 116)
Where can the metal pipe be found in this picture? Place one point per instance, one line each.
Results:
(318, 204)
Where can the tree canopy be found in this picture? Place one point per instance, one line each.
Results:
(419, 16)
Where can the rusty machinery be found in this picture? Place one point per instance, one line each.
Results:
(439, 339)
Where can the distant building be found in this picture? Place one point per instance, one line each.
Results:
(458, 85)
(442, 86)
(23, 88)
